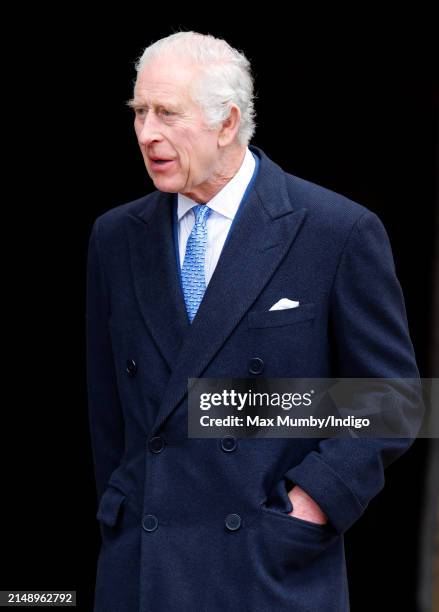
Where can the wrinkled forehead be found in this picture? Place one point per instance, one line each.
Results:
(169, 76)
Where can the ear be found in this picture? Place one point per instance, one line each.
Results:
(230, 127)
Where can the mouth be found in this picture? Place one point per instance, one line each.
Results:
(159, 164)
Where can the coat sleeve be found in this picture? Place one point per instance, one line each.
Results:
(370, 339)
(104, 407)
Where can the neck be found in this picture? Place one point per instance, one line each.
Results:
(227, 166)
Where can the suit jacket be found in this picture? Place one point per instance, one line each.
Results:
(165, 500)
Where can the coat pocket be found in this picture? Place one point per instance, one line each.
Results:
(277, 318)
(110, 505)
(288, 543)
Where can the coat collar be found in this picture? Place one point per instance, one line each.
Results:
(261, 237)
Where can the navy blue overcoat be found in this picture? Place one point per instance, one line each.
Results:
(164, 499)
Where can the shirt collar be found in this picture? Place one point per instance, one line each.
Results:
(227, 200)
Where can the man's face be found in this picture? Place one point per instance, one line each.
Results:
(170, 126)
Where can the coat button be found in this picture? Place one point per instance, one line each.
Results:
(255, 365)
(233, 522)
(156, 444)
(228, 444)
(131, 367)
(150, 522)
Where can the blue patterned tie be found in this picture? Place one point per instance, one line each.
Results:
(192, 272)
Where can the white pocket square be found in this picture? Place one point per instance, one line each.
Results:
(284, 303)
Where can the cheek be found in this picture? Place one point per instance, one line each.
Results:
(188, 153)
(137, 128)
(194, 153)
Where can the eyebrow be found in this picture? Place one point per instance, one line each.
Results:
(136, 103)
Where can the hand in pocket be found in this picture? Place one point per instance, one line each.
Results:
(305, 508)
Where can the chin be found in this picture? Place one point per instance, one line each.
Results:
(166, 186)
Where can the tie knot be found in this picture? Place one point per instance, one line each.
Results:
(201, 212)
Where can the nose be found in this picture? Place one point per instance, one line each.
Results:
(148, 130)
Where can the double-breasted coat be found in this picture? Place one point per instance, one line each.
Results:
(164, 499)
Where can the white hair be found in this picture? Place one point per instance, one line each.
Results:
(225, 77)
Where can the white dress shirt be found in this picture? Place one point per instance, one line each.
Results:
(224, 206)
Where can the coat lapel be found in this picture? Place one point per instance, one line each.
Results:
(155, 275)
(261, 238)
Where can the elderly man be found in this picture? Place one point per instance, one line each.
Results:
(181, 283)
